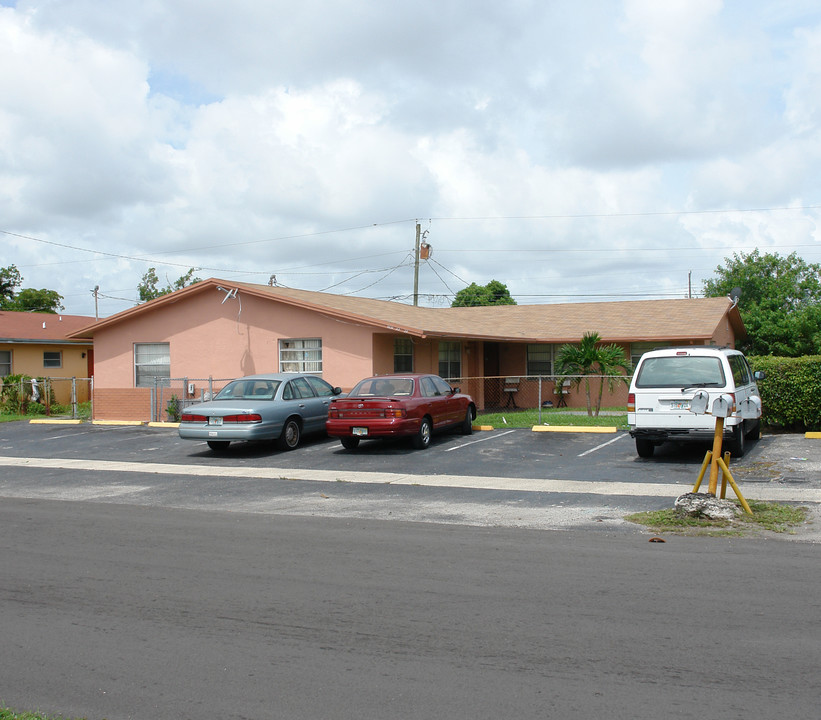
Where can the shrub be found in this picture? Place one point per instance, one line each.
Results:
(791, 391)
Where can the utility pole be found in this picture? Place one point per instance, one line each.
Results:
(96, 296)
(416, 266)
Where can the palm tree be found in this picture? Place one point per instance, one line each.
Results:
(588, 358)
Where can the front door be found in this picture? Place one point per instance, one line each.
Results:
(493, 383)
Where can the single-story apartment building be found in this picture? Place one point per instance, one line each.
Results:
(39, 345)
(220, 329)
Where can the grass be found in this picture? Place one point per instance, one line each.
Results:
(772, 517)
(56, 411)
(554, 416)
(7, 714)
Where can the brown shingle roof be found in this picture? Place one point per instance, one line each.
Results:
(40, 327)
(637, 320)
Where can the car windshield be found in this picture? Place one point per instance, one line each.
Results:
(249, 389)
(680, 371)
(383, 387)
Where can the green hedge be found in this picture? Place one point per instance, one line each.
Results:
(791, 391)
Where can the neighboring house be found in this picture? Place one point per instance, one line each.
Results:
(38, 345)
(222, 329)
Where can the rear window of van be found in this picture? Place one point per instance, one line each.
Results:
(680, 371)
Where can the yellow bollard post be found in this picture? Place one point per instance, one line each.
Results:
(724, 477)
(744, 503)
(717, 439)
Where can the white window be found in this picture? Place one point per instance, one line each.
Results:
(52, 359)
(152, 360)
(5, 363)
(300, 355)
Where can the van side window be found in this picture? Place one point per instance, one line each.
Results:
(740, 370)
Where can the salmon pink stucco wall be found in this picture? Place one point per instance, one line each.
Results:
(211, 338)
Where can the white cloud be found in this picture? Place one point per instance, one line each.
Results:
(236, 136)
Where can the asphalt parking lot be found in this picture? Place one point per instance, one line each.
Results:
(512, 477)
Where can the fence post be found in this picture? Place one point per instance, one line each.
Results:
(73, 398)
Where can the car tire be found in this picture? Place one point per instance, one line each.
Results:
(645, 448)
(218, 445)
(738, 444)
(350, 443)
(422, 438)
(467, 423)
(755, 431)
(290, 436)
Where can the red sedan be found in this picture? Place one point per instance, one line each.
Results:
(407, 405)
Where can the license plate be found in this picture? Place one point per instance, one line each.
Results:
(215, 421)
(680, 405)
(359, 431)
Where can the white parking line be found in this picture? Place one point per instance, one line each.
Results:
(599, 447)
(473, 442)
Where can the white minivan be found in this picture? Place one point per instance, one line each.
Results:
(663, 386)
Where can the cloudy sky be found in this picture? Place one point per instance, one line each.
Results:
(572, 149)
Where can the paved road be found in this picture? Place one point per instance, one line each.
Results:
(144, 577)
(134, 612)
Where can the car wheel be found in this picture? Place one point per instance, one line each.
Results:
(218, 445)
(291, 432)
(755, 431)
(350, 443)
(467, 423)
(422, 438)
(738, 443)
(645, 448)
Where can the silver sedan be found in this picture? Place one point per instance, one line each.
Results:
(279, 407)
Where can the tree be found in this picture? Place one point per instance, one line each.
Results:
(590, 357)
(149, 287)
(494, 293)
(10, 280)
(780, 302)
(31, 300)
(27, 299)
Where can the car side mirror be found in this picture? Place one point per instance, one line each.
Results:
(759, 375)
(337, 391)
(455, 390)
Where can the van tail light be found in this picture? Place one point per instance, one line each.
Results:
(244, 418)
(631, 402)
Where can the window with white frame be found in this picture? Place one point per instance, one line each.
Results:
(450, 359)
(540, 359)
(300, 355)
(5, 363)
(152, 364)
(52, 359)
(402, 355)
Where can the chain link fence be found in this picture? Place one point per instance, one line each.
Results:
(524, 392)
(170, 396)
(24, 395)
